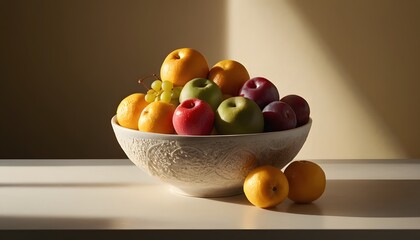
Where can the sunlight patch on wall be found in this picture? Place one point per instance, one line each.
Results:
(273, 40)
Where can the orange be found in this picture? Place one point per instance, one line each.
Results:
(229, 75)
(307, 181)
(157, 118)
(182, 65)
(266, 186)
(129, 109)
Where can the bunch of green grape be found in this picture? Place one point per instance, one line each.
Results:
(163, 91)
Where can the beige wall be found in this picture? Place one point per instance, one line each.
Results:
(356, 62)
(66, 64)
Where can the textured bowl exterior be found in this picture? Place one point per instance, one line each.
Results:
(208, 166)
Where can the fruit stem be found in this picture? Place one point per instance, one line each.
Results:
(140, 81)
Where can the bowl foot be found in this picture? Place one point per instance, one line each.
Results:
(207, 193)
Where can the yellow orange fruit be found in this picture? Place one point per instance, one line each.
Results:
(307, 181)
(129, 110)
(266, 186)
(157, 118)
(182, 65)
(229, 75)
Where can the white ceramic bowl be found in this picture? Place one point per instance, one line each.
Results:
(208, 166)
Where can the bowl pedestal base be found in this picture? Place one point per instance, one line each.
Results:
(207, 194)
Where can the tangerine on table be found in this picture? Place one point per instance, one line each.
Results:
(229, 75)
(307, 181)
(157, 118)
(266, 186)
(129, 110)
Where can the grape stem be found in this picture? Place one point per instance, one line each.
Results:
(140, 81)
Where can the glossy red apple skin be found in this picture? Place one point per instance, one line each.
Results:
(193, 117)
(300, 106)
(278, 116)
(261, 90)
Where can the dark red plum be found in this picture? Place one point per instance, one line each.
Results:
(261, 90)
(300, 106)
(278, 116)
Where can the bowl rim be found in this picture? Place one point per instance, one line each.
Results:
(177, 136)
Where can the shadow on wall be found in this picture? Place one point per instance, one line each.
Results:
(377, 43)
(65, 66)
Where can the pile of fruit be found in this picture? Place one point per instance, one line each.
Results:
(189, 98)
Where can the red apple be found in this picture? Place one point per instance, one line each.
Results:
(278, 116)
(193, 117)
(300, 106)
(261, 90)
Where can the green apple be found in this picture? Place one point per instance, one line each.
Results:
(239, 115)
(203, 89)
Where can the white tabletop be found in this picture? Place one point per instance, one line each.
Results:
(114, 194)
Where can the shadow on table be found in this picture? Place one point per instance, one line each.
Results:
(363, 198)
(236, 199)
(355, 198)
(27, 222)
(69, 222)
